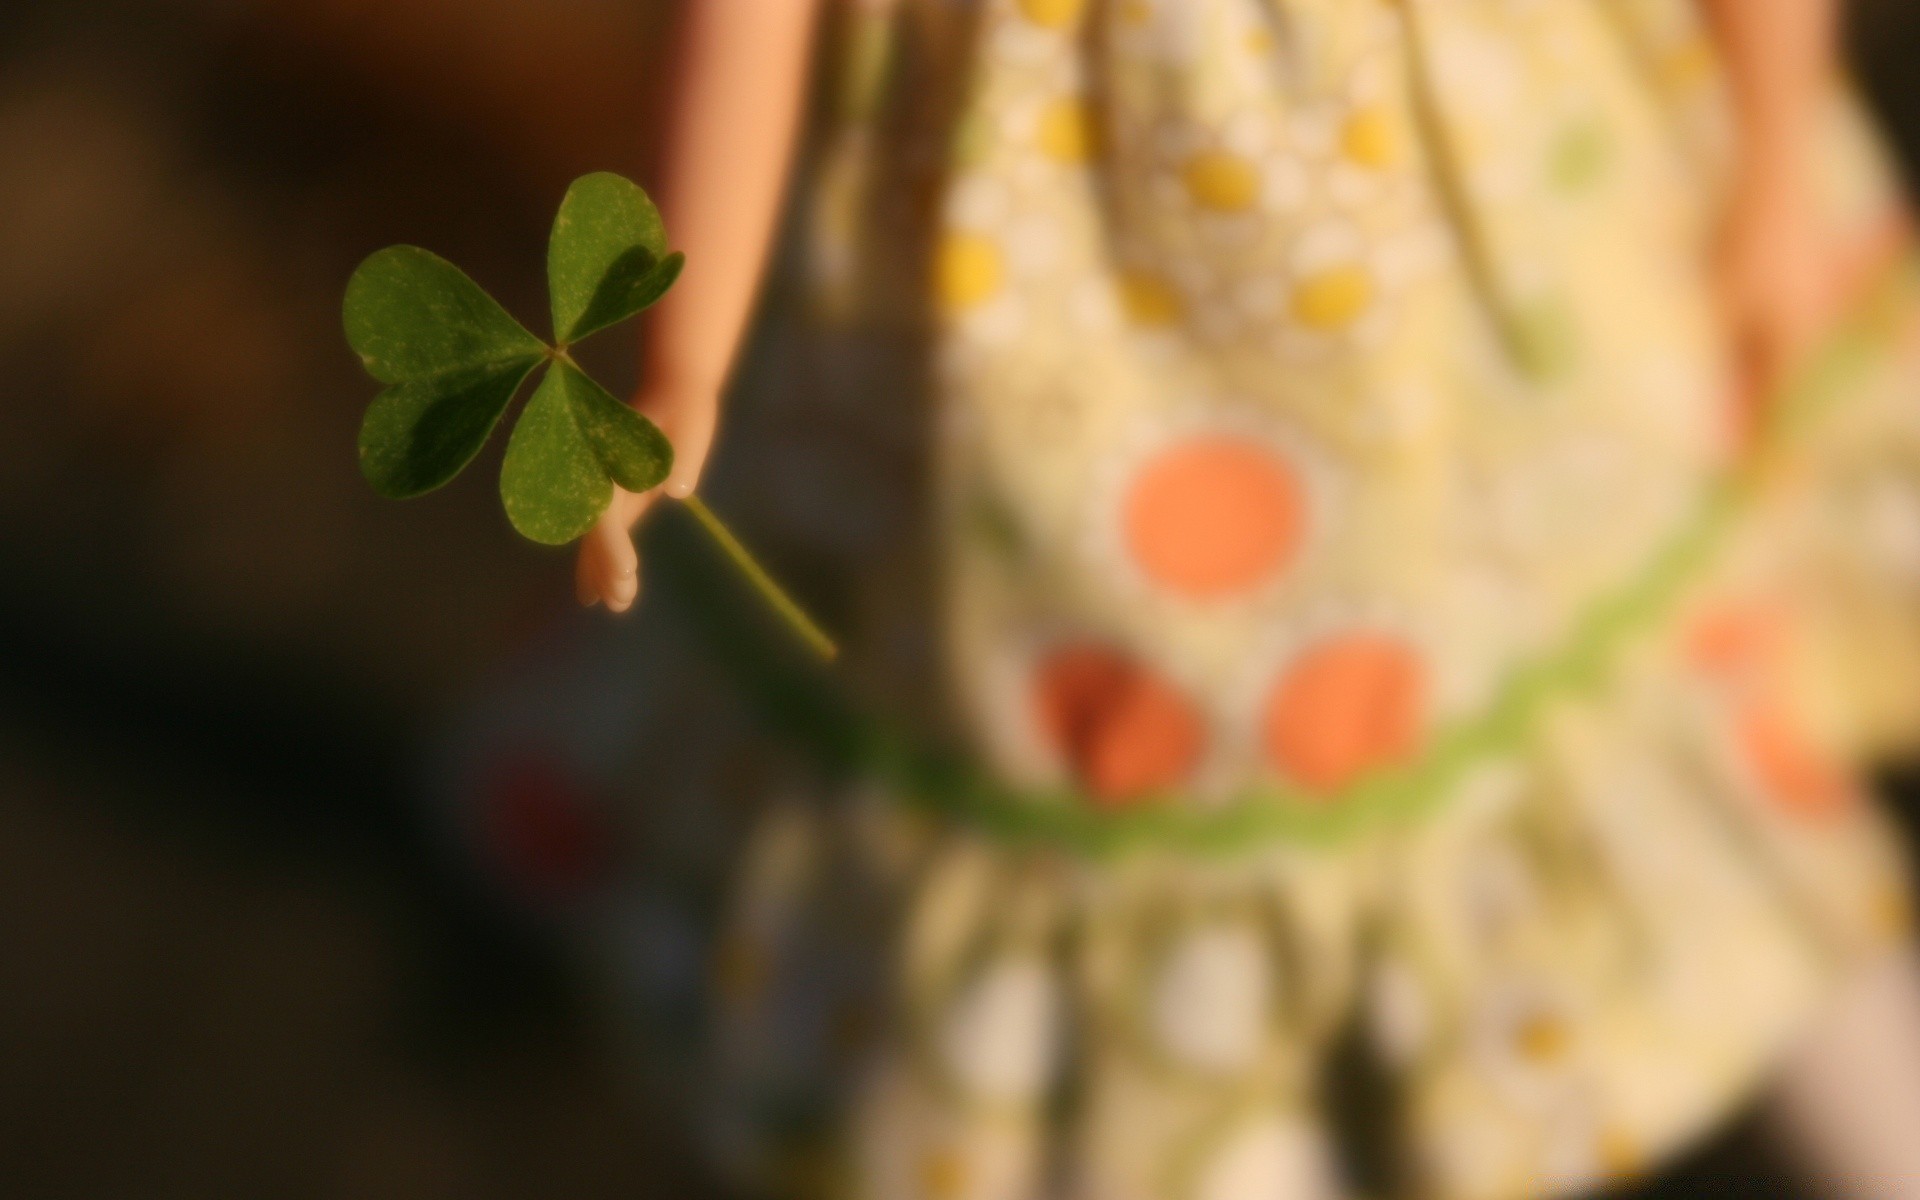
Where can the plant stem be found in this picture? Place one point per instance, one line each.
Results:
(776, 596)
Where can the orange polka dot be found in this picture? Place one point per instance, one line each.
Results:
(1123, 731)
(1796, 776)
(1214, 516)
(1347, 706)
(1736, 639)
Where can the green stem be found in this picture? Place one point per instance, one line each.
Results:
(776, 596)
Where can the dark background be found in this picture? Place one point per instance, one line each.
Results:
(235, 958)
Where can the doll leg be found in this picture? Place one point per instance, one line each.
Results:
(1848, 1102)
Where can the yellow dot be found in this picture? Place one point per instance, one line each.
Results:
(1053, 14)
(1620, 1155)
(1692, 64)
(1542, 1039)
(1892, 914)
(1260, 41)
(942, 1175)
(1148, 299)
(1369, 139)
(1066, 131)
(1221, 181)
(968, 271)
(1333, 298)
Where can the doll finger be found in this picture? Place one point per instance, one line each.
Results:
(1754, 380)
(619, 568)
(622, 592)
(622, 585)
(1776, 346)
(599, 564)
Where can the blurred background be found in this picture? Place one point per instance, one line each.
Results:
(238, 954)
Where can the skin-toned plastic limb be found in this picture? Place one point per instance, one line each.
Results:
(740, 70)
(1776, 265)
(1848, 1103)
(1849, 1099)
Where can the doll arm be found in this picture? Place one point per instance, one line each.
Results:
(739, 78)
(1780, 55)
(1775, 269)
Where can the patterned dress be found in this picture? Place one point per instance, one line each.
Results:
(1363, 616)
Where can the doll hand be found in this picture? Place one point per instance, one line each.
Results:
(1777, 284)
(608, 569)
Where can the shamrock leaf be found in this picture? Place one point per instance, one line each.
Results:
(419, 434)
(411, 315)
(454, 359)
(572, 442)
(635, 453)
(607, 258)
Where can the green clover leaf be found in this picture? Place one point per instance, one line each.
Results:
(573, 442)
(411, 315)
(417, 435)
(607, 258)
(453, 360)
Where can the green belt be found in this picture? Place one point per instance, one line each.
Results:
(803, 701)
